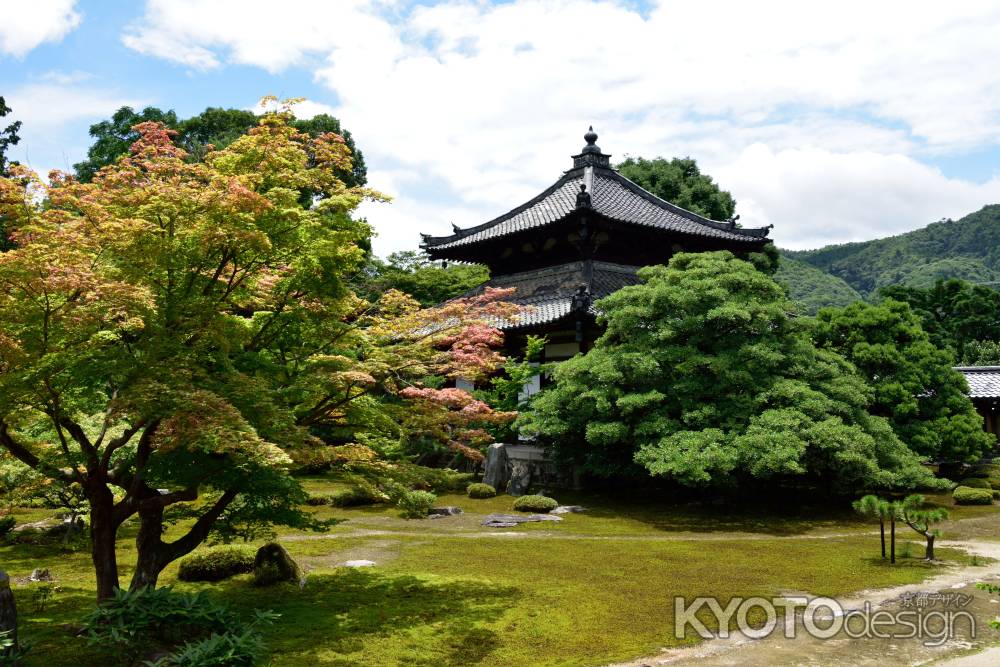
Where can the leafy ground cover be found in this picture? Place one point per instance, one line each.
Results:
(596, 588)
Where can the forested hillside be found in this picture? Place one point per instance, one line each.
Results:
(968, 248)
(813, 288)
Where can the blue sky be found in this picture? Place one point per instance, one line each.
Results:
(834, 123)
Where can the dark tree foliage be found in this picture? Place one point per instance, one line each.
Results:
(322, 123)
(113, 137)
(704, 376)
(915, 387)
(8, 138)
(954, 313)
(680, 182)
(415, 274)
(214, 126)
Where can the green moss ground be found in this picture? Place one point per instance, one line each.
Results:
(595, 588)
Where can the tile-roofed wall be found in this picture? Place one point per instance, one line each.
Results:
(548, 292)
(984, 381)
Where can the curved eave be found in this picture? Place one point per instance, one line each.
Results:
(561, 208)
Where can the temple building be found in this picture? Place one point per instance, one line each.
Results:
(581, 239)
(984, 390)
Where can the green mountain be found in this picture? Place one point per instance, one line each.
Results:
(968, 248)
(813, 288)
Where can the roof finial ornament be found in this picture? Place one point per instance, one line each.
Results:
(591, 139)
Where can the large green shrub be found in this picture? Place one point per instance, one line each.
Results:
(966, 495)
(415, 504)
(975, 483)
(216, 564)
(198, 632)
(354, 497)
(7, 524)
(542, 504)
(479, 490)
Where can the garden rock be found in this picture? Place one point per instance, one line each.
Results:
(273, 564)
(40, 574)
(520, 477)
(496, 472)
(568, 509)
(359, 563)
(439, 512)
(509, 520)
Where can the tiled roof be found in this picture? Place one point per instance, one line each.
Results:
(548, 292)
(984, 381)
(613, 196)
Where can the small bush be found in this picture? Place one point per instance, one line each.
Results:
(542, 504)
(415, 504)
(354, 497)
(975, 483)
(478, 490)
(216, 564)
(315, 500)
(996, 494)
(7, 524)
(965, 495)
(994, 482)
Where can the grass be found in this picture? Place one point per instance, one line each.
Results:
(597, 587)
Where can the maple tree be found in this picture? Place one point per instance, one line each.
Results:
(174, 331)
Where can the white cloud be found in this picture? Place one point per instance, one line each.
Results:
(55, 118)
(479, 105)
(25, 25)
(202, 34)
(815, 197)
(304, 109)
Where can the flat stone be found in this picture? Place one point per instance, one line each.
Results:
(438, 512)
(359, 563)
(568, 509)
(509, 520)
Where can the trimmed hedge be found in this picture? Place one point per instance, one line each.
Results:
(7, 524)
(216, 564)
(975, 483)
(966, 495)
(354, 497)
(415, 504)
(540, 504)
(479, 490)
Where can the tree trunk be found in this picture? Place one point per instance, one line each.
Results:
(929, 555)
(149, 548)
(881, 527)
(892, 540)
(102, 539)
(8, 610)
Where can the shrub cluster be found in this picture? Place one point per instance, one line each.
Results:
(216, 564)
(966, 495)
(542, 504)
(7, 524)
(355, 496)
(415, 504)
(479, 490)
(196, 631)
